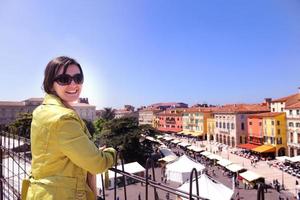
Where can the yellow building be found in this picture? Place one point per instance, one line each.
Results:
(210, 128)
(274, 132)
(194, 122)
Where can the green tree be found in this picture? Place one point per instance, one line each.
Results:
(21, 126)
(108, 114)
(124, 134)
(90, 126)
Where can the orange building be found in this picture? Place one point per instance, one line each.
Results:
(169, 120)
(255, 130)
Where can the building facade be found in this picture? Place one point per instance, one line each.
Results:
(9, 110)
(272, 126)
(147, 115)
(290, 105)
(231, 122)
(293, 129)
(127, 111)
(194, 122)
(169, 120)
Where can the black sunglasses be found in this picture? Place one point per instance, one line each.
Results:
(66, 79)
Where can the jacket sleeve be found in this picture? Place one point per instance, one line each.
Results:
(75, 144)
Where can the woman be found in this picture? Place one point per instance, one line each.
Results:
(63, 157)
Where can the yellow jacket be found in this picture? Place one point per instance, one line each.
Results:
(62, 154)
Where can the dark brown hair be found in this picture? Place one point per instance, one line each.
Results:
(53, 67)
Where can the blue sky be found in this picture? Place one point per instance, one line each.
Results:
(142, 52)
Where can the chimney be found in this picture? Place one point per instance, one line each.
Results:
(268, 102)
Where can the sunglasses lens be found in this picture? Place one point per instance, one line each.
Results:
(78, 78)
(64, 79)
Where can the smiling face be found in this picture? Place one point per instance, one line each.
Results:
(71, 92)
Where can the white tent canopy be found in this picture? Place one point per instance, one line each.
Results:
(166, 151)
(205, 153)
(224, 162)
(250, 176)
(169, 158)
(175, 141)
(184, 144)
(131, 168)
(234, 167)
(294, 159)
(282, 158)
(195, 148)
(179, 171)
(214, 157)
(208, 189)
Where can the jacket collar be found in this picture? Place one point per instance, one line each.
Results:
(51, 99)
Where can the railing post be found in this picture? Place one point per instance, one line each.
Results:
(1, 172)
(194, 171)
(260, 191)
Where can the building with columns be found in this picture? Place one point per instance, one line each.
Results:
(231, 122)
(9, 110)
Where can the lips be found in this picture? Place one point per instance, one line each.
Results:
(72, 92)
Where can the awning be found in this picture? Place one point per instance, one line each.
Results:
(248, 146)
(250, 176)
(282, 158)
(224, 162)
(234, 167)
(214, 157)
(175, 141)
(167, 138)
(168, 158)
(159, 137)
(294, 159)
(264, 149)
(184, 144)
(195, 148)
(205, 153)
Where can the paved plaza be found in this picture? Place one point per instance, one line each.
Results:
(137, 191)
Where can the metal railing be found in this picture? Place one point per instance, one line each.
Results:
(15, 166)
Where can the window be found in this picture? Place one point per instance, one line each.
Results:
(291, 124)
(291, 137)
(265, 139)
(279, 140)
(291, 112)
(232, 125)
(220, 125)
(242, 126)
(272, 123)
(259, 123)
(272, 140)
(281, 109)
(273, 109)
(224, 125)
(298, 138)
(278, 131)
(298, 112)
(278, 123)
(241, 139)
(217, 124)
(250, 123)
(228, 126)
(298, 125)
